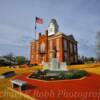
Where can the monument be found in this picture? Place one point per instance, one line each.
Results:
(54, 65)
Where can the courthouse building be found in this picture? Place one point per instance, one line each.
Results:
(53, 44)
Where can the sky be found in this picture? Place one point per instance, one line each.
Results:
(78, 17)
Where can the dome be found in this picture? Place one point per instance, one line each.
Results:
(54, 22)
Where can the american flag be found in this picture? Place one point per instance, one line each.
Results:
(39, 20)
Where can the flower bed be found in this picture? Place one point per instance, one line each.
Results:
(58, 75)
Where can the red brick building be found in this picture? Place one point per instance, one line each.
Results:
(53, 44)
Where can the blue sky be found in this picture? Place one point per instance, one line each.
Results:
(78, 17)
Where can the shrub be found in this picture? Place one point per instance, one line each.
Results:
(73, 74)
(82, 73)
(69, 75)
(61, 75)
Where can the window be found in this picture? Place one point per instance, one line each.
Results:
(43, 60)
(50, 56)
(71, 47)
(65, 44)
(57, 44)
(65, 56)
(32, 46)
(50, 44)
(58, 56)
(32, 57)
(42, 47)
(75, 48)
(37, 46)
(36, 57)
(75, 58)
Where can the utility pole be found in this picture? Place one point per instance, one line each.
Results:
(98, 46)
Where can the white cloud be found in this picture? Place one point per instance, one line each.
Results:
(12, 36)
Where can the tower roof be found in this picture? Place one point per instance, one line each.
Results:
(54, 22)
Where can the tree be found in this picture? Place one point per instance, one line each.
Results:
(92, 59)
(20, 59)
(9, 58)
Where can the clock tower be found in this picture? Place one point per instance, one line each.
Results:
(53, 27)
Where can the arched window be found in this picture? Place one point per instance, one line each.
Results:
(65, 56)
(42, 47)
(57, 44)
(32, 46)
(36, 57)
(50, 56)
(58, 56)
(71, 47)
(37, 46)
(75, 48)
(65, 44)
(32, 57)
(50, 44)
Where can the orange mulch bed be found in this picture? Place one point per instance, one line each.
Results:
(87, 88)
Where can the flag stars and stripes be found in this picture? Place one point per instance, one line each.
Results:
(39, 20)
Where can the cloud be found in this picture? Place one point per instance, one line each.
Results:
(80, 18)
(14, 40)
(11, 35)
(15, 50)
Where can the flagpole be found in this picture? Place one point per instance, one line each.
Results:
(35, 40)
(35, 28)
(39, 21)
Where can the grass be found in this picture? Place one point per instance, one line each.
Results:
(93, 68)
(6, 94)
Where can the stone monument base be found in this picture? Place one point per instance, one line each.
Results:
(54, 65)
